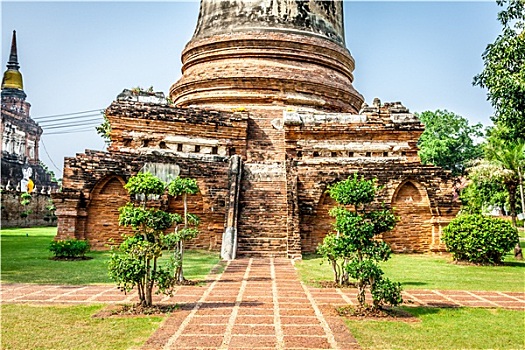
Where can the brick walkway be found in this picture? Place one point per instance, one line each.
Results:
(253, 304)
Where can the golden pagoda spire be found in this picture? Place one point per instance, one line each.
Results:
(12, 77)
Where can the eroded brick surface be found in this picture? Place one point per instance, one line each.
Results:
(283, 101)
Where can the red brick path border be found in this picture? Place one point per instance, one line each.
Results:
(253, 304)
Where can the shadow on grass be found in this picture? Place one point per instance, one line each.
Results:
(514, 263)
(418, 311)
(311, 256)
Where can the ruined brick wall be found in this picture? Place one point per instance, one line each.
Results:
(276, 91)
(379, 143)
(40, 207)
(101, 222)
(416, 231)
(92, 192)
(289, 160)
(146, 128)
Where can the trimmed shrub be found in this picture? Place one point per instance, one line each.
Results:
(479, 239)
(69, 248)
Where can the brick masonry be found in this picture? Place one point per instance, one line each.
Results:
(40, 207)
(281, 98)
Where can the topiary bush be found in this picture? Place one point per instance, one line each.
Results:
(479, 239)
(353, 250)
(69, 248)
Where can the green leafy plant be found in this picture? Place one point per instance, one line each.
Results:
(353, 250)
(25, 200)
(479, 239)
(136, 261)
(448, 140)
(104, 129)
(503, 74)
(137, 90)
(69, 248)
(50, 212)
(182, 187)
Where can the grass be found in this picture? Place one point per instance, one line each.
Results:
(26, 259)
(431, 272)
(71, 327)
(463, 328)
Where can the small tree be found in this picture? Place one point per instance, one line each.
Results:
(182, 187)
(135, 262)
(353, 250)
(503, 164)
(25, 200)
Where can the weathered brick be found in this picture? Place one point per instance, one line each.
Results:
(283, 101)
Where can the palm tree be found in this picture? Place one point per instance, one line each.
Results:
(509, 158)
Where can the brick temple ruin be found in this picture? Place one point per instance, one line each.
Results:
(20, 162)
(265, 117)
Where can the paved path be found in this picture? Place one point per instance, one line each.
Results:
(253, 304)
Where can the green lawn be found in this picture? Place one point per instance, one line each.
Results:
(71, 327)
(432, 272)
(26, 259)
(464, 328)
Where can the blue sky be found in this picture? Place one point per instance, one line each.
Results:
(78, 56)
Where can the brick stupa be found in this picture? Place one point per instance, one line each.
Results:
(265, 117)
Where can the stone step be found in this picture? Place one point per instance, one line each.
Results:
(258, 235)
(263, 254)
(255, 245)
(247, 243)
(262, 210)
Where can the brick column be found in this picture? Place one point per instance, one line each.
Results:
(71, 219)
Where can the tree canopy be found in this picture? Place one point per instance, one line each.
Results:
(449, 141)
(504, 73)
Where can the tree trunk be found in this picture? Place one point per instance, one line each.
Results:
(518, 253)
(336, 274)
(181, 271)
(184, 200)
(147, 285)
(361, 297)
(511, 188)
(140, 288)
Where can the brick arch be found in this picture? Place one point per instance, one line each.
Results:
(316, 225)
(410, 191)
(102, 213)
(413, 231)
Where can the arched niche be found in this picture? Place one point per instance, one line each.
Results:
(413, 231)
(316, 223)
(102, 225)
(410, 191)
